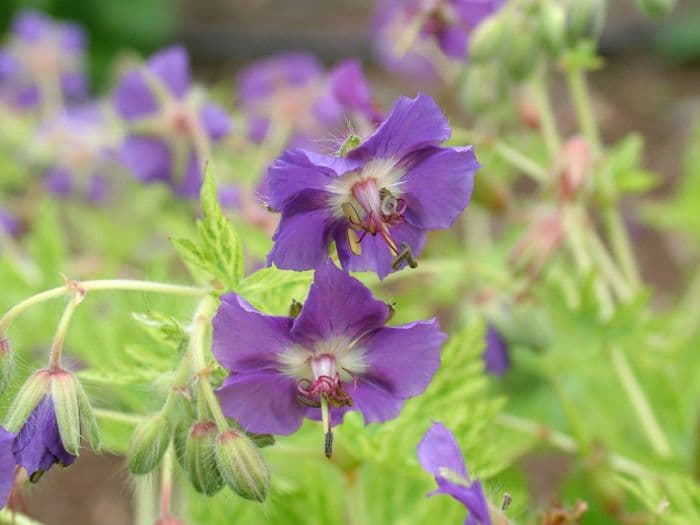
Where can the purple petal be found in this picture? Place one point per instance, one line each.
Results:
(439, 449)
(245, 339)
(473, 12)
(439, 187)
(472, 497)
(374, 400)
(216, 121)
(72, 37)
(350, 87)
(31, 25)
(304, 232)
(262, 402)
(412, 124)
(453, 41)
(10, 68)
(375, 256)
(59, 181)
(496, 352)
(8, 223)
(270, 75)
(74, 85)
(133, 98)
(298, 170)
(230, 196)
(7, 465)
(404, 358)
(148, 158)
(172, 66)
(338, 305)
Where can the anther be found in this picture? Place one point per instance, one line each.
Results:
(354, 242)
(404, 256)
(328, 448)
(351, 214)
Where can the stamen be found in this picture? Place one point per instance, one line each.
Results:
(295, 309)
(351, 214)
(404, 256)
(354, 242)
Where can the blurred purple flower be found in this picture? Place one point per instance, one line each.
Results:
(496, 352)
(423, 38)
(8, 222)
(170, 126)
(79, 148)
(336, 352)
(38, 444)
(42, 61)
(7, 465)
(291, 95)
(376, 203)
(439, 454)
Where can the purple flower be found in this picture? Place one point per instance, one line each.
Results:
(38, 444)
(376, 203)
(7, 465)
(439, 454)
(337, 355)
(43, 58)
(292, 95)
(79, 148)
(496, 352)
(170, 128)
(419, 38)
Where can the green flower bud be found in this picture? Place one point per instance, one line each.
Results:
(349, 144)
(148, 444)
(656, 8)
(486, 42)
(552, 26)
(585, 19)
(522, 53)
(241, 465)
(29, 396)
(64, 391)
(88, 423)
(7, 364)
(200, 458)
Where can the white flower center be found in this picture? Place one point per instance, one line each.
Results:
(328, 357)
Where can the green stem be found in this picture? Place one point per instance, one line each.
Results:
(548, 122)
(166, 482)
(640, 403)
(118, 417)
(608, 267)
(621, 245)
(59, 338)
(521, 161)
(202, 318)
(102, 284)
(581, 100)
(566, 443)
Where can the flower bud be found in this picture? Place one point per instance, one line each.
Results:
(7, 364)
(64, 391)
(29, 396)
(656, 8)
(88, 423)
(241, 465)
(148, 444)
(200, 459)
(585, 19)
(575, 164)
(552, 26)
(486, 42)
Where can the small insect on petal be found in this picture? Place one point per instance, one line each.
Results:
(354, 242)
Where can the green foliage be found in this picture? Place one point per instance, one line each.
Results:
(217, 253)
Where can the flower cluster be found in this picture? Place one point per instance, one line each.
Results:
(290, 98)
(170, 125)
(42, 62)
(423, 38)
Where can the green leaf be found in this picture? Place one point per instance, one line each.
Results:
(218, 252)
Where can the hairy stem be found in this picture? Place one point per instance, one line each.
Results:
(548, 123)
(102, 284)
(583, 107)
(521, 161)
(59, 338)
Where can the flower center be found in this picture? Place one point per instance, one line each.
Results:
(326, 384)
(180, 120)
(373, 210)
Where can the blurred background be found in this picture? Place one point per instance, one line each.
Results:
(650, 85)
